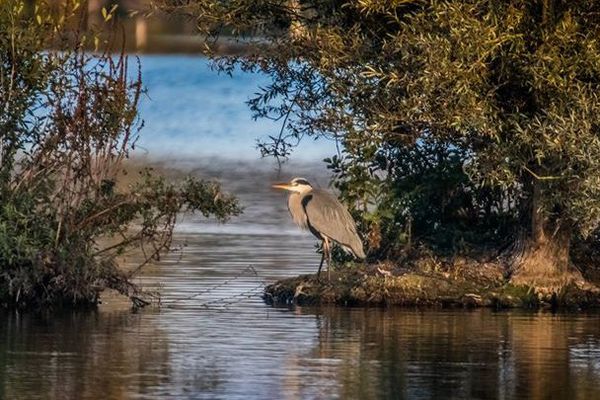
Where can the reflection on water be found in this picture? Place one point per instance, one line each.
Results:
(81, 355)
(214, 340)
(459, 354)
(250, 351)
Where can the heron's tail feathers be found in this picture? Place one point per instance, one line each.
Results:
(354, 246)
(357, 249)
(359, 252)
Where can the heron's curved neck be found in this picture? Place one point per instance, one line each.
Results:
(297, 209)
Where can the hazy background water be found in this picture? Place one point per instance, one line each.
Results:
(215, 338)
(191, 111)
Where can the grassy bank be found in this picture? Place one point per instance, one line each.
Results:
(456, 283)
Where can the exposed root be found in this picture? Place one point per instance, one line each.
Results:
(550, 283)
(546, 271)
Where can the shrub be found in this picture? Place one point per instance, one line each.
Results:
(68, 120)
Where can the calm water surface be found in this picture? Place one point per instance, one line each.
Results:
(214, 338)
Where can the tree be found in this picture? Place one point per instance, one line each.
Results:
(68, 121)
(515, 84)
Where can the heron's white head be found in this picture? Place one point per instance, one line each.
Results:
(296, 185)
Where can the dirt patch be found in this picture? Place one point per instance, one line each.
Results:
(458, 282)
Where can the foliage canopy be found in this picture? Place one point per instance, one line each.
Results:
(507, 92)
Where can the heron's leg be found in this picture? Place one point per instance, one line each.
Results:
(327, 253)
(322, 259)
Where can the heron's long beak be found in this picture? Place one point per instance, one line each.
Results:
(282, 185)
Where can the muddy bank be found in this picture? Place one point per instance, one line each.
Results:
(463, 283)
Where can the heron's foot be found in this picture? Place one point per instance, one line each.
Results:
(322, 279)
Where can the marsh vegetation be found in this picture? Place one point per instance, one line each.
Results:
(68, 122)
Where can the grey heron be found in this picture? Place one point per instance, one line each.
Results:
(321, 212)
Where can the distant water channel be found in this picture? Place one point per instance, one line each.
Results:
(214, 338)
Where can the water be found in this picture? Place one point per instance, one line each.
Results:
(214, 338)
(192, 111)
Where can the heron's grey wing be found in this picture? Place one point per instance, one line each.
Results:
(330, 218)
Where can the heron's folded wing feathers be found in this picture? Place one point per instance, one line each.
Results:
(328, 216)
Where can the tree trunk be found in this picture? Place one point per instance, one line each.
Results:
(94, 14)
(544, 263)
